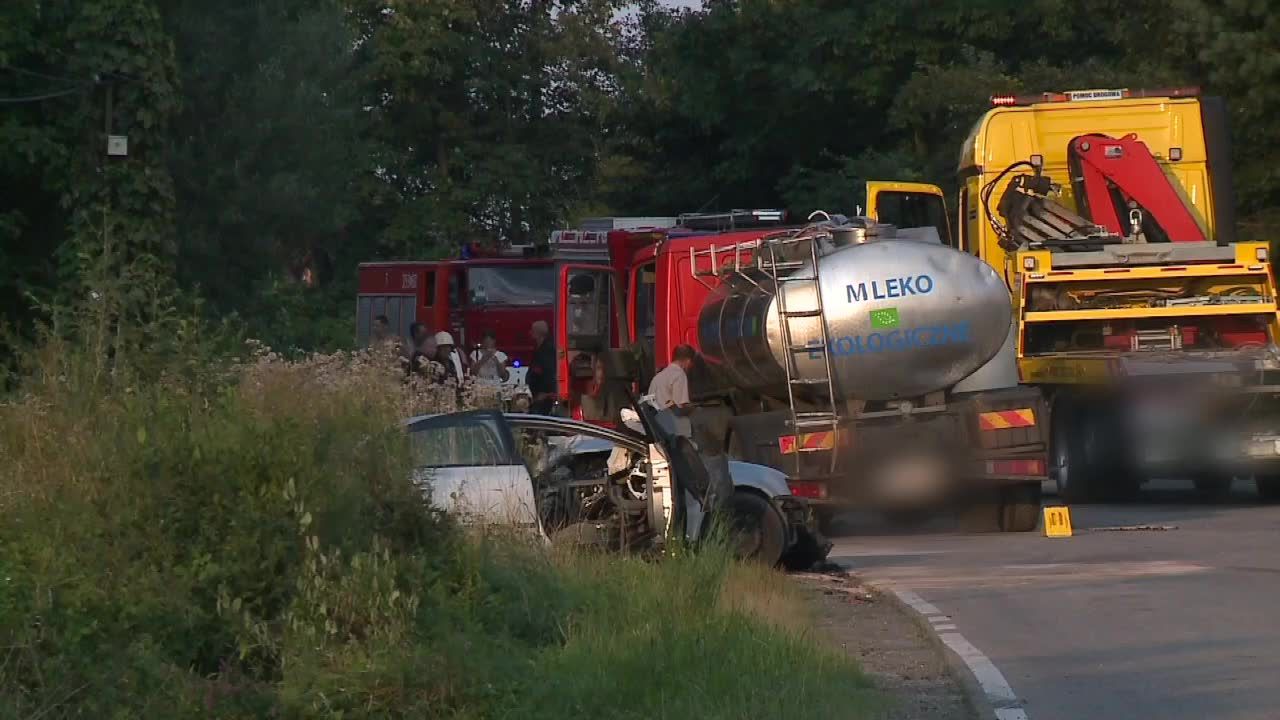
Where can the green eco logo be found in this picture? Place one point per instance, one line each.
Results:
(885, 319)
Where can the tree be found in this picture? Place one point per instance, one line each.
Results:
(487, 115)
(1237, 49)
(91, 232)
(270, 147)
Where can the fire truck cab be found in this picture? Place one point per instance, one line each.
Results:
(505, 292)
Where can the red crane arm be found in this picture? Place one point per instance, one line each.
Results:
(1102, 164)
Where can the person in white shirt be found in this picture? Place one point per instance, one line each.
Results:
(488, 362)
(670, 387)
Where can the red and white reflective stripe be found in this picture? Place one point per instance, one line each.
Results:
(1034, 467)
(1006, 419)
(808, 442)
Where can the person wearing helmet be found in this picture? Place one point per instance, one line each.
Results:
(448, 356)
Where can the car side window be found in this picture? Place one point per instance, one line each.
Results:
(465, 445)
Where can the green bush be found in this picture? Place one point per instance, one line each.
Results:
(250, 545)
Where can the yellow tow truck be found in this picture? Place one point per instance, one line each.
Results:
(1148, 327)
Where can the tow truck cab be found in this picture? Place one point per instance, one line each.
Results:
(1109, 214)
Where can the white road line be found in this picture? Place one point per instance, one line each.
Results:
(917, 603)
(989, 677)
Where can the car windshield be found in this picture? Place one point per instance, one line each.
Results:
(455, 445)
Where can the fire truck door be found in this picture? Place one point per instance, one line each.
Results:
(584, 325)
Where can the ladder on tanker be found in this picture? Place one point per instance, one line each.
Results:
(781, 274)
(828, 418)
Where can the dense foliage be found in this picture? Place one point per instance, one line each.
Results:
(272, 145)
(180, 545)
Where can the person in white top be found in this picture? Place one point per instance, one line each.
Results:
(488, 362)
(670, 387)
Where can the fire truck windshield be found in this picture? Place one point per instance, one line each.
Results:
(511, 285)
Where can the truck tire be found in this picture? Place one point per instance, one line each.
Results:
(1268, 488)
(1213, 487)
(980, 513)
(1086, 453)
(1020, 508)
(1068, 452)
(757, 531)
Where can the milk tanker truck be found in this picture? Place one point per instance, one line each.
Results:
(873, 365)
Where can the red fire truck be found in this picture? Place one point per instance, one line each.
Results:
(505, 291)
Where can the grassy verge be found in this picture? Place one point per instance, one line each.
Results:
(245, 543)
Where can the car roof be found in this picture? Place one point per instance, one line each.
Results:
(550, 422)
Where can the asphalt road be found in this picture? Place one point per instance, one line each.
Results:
(1124, 624)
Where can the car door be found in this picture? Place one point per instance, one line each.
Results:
(690, 479)
(469, 465)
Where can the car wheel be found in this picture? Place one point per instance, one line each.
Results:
(756, 529)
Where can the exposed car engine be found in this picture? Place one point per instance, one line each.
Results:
(581, 501)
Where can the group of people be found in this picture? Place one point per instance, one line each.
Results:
(436, 357)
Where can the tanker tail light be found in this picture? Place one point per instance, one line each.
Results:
(809, 490)
(1016, 468)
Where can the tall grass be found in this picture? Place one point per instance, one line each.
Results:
(243, 541)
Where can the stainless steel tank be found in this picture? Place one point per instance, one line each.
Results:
(904, 318)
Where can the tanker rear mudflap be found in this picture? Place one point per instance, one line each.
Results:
(1008, 432)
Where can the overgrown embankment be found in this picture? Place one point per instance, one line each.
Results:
(244, 542)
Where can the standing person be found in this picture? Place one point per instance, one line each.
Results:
(448, 356)
(542, 369)
(670, 391)
(603, 400)
(381, 331)
(408, 351)
(423, 360)
(488, 362)
(670, 387)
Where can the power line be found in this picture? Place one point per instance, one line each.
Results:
(38, 98)
(44, 76)
(80, 86)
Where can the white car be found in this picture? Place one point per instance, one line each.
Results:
(576, 482)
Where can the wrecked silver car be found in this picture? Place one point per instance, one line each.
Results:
(621, 489)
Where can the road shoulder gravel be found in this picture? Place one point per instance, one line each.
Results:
(894, 646)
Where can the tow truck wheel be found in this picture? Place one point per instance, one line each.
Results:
(1268, 488)
(1069, 451)
(757, 531)
(1020, 508)
(1085, 453)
